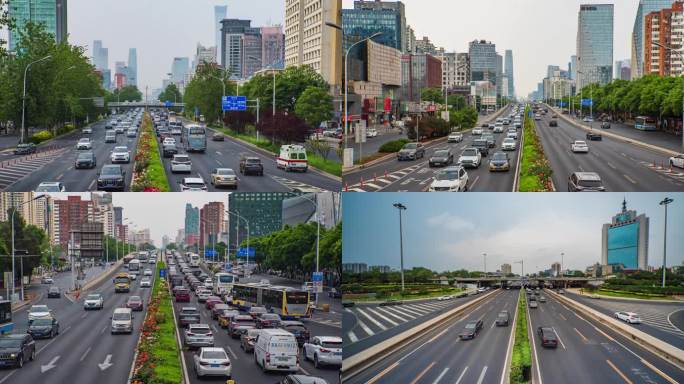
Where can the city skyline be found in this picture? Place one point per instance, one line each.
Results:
(505, 228)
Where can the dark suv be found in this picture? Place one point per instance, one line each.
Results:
(502, 319)
(15, 349)
(471, 329)
(25, 149)
(251, 165)
(43, 328)
(482, 145)
(168, 150)
(111, 178)
(548, 337)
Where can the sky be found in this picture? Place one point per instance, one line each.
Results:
(540, 32)
(451, 231)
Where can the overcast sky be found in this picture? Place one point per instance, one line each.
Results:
(540, 32)
(451, 231)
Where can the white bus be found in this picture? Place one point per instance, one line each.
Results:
(223, 282)
(194, 260)
(134, 265)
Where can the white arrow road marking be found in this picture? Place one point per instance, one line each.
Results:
(106, 364)
(45, 368)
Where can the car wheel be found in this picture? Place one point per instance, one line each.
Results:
(20, 361)
(263, 366)
(316, 363)
(33, 355)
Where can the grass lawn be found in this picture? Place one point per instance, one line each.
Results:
(521, 362)
(632, 295)
(166, 350)
(397, 296)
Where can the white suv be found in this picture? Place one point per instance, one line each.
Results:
(450, 179)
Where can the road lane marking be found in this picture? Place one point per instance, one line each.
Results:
(658, 371)
(630, 179)
(92, 183)
(383, 310)
(103, 329)
(482, 375)
(440, 376)
(60, 176)
(420, 375)
(462, 374)
(231, 352)
(84, 315)
(619, 372)
(581, 335)
(493, 323)
(352, 337)
(381, 374)
(562, 317)
(559, 339)
(365, 327)
(611, 165)
(534, 344)
(84, 354)
(45, 346)
(473, 183)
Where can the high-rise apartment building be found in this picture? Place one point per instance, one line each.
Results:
(506, 269)
(203, 55)
(638, 54)
(212, 223)
(33, 212)
(664, 28)
(69, 214)
(419, 71)
(309, 41)
(52, 14)
(273, 47)
(595, 44)
(191, 224)
(455, 69)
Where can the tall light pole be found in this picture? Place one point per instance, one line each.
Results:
(237, 234)
(484, 255)
(401, 207)
(272, 66)
(665, 203)
(672, 50)
(561, 267)
(14, 210)
(23, 99)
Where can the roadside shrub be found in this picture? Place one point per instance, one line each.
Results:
(393, 146)
(39, 137)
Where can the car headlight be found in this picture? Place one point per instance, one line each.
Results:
(13, 355)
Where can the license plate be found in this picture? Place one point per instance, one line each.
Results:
(338, 353)
(283, 358)
(214, 365)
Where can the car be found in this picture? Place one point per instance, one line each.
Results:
(240, 324)
(677, 161)
(46, 328)
(169, 140)
(470, 157)
(135, 303)
(250, 165)
(588, 119)
(188, 315)
(248, 339)
(533, 304)
(147, 272)
(256, 311)
(182, 295)
(218, 308)
(87, 130)
(51, 186)
(225, 317)
(441, 158)
(54, 292)
(579, 146)
(120, 129)
(498, 129)
(110, 137)
(537, 117)
(502, 319)
(46, 280)
(594, 136)
(323, 350)
(512, 134)
(298, 329)
(146, 282)
(120, 154)
(181, 163)
(499, 162)
(605, 125)
(444, 298)
(203, 295)
(84, 144)
(25, 149)
(594, 296)
(509, 144)
(168, 150)
(629, 317)
(224, 177)
(491, 142)
(334, 293)
(132, 276)
(455, 137)
(347, 303)
(450, 179)
(218, 136)
(371, 132)
(585, 182)
(211, 301)
(131, 132)
(193, 184)
(477, 131)
(268, 320)
(198, 335)
(212, 361)
(85, 160)
(471, 329)
(482, 145)
(411, 151)
(542, 299)
(122, 321)
(93, 301)
(553, 123)
(111, 178)
(39, 311)
(16, 349)
(548, 337)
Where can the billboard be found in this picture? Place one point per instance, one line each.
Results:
(623, 242)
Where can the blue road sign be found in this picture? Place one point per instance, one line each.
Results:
(587, 102)
(228, 267)
(563, 103)
(168, 104)
(317, 276)
(530, 115)
(243, 252)
(162, 273)
(234, 103)
(210, 253)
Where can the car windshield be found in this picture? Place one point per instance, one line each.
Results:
(258, 310)
(202, 330)
(228, 172)
(217, 355)
(194, 185)
(121, 316)
(54, 289)
(479, 143)
(10, 342)
(93, 297)
(500, 156)
(134, 299)
(590, 183)
(411, 146)
(508, 141)
(39, 308)
(85, 156)
(84, 140)
(470, 326)
(441, 153)
(110, 171)
(120, 149)
(253, 161)
(270, 316)
(42, 322)
(447, 175)
(470, 152)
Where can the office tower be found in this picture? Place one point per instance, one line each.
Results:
(211, 223)
(220, 13)
(273, 47)
(179, 70)
(370, 17)
(509, 73)
(483, 61)
(595, 44)
(132, 78)
(625, 240)
(419, 71)
(51, 13)
(645, 7)
(203, 55)
(241, 45)
(191, 229)
(100, 55)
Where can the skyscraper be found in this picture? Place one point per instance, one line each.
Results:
(483, 61)
(51, 13)
(369, 17)
(132, 76)
(595, 44)
(203, 55)
(100, 55)
(645, 7)
(212, 223)
(509, 72)
(191, 224)
(240, 48)
(179, 68)
(625, 240)
(220, 12)
(573, 67)
(273, 47)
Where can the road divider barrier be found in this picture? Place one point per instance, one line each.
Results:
(518, 365)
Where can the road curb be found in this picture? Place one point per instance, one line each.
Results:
(355, 364)
(665, 351)
(467, 291)
(101, 277)
(573, 290)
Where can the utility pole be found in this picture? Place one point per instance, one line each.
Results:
(401, 208)
(665, 202)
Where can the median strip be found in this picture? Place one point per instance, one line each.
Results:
(148, 170)
(521, 361)
(535, 170)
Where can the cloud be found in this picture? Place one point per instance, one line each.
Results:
(450, 222)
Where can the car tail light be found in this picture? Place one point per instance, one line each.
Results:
(226, 363)
(204, 362)
(268, 357)
(325, 350)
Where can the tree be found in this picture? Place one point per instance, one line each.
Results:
(314, 105)
(30, 243)
(456, 102)
(433, 95)
(284, 128)
(429, 127)
(126, 93)
(238, 120)
(290, 85)
(171, 93)
(205, 90)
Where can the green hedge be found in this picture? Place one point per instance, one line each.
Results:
(393, 146)
(40, 137)
(521, 363)
(150, 175)
(535, 170)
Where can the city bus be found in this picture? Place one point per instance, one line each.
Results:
(6, 324)
(194, 138)
(134, 265)
(194, 260)
(644, 123)
(289, 303)
(122, 283)
(223, 282)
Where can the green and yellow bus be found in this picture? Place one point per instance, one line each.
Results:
(289, 303)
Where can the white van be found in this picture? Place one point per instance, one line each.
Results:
(292, 158)
(122, 321)
(276, 350)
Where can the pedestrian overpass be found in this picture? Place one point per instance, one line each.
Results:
(143, 104)
(502, 281)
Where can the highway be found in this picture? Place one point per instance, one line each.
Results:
(392, 175)
(623, 167)
(590, 353)
(84, 347)
(439, 356)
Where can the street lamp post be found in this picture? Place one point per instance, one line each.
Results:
(237, 234)
(318, 231)
(665, 203)
(484, 255)
(14, 210)
(401, 207)
(23, 99)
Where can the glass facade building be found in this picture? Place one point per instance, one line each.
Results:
(645, 7)
(595, 44)
(51, 13)
(625, 240)
(358, 24)
(483, 61)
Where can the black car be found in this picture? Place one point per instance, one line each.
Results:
(471, 329)
(54, 292)
(43, 328)
(347, 303)
(547, 337)
(442, 158)
(251, 165)
(491, 142)
(298, 329)
(553, 123)
(111, 178)
(594, 136)
(390, 303)
(169, 150)
(605, 125)
(85, 160)
(502, 319)
(482, 145)
(15, 349)
(334, 293)
(25, 149)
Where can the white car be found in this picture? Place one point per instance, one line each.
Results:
(93, 300)
(629, 317)
(677, 161)
(120, 154)
(588, 119)
(212, 361)
(455, 137)
(132, 276)
(537, 117)
(324, 350)
(39, 312)
(371, 132)
(450, 179)
(193, 184)
(498, 129)
(87, 130)
(471, 157)
(51, 186)
(181, 163)
(512, 135)
(477, 131)
(169, 140)
(580, 146)
(444, 298)
(145, 282)
(509, 144)
(203, 295)
(84, 143)
(147, 272)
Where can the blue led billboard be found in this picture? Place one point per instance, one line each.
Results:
(623, 244)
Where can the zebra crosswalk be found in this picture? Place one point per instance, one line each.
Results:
(382, 181)
(295, 185)
(654, 316)
(370, 320)
(12, 170)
